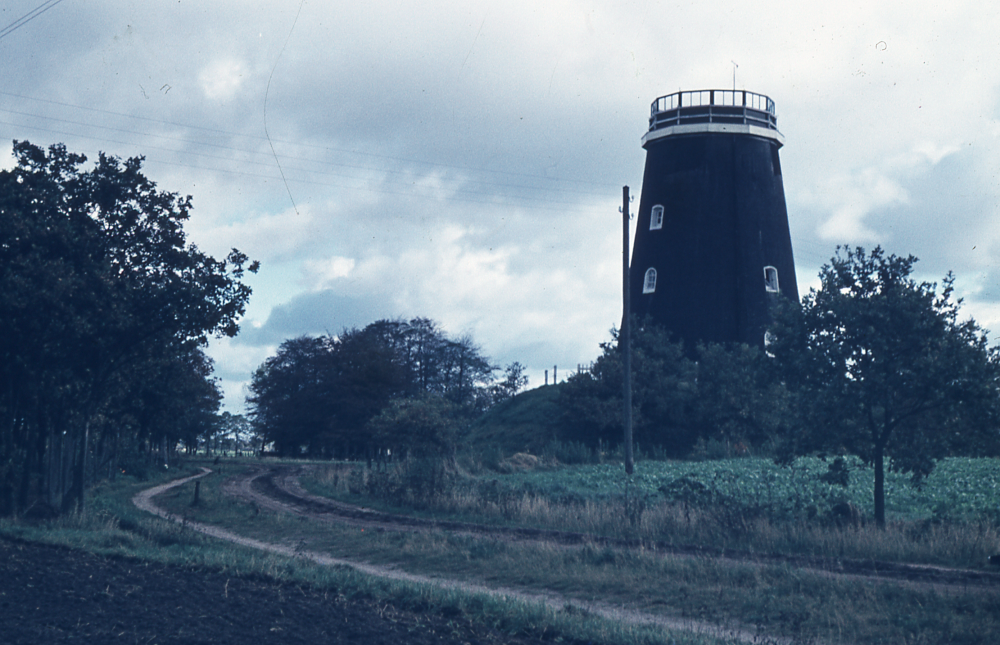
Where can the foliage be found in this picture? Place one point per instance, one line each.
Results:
(104, 307)
(232, 433)
(731, 394)
(514, 380)
(422, 426)
(321, 393)
(960, 489)
(663, 391)
(881, 366)
(740, 399)
(287, 405)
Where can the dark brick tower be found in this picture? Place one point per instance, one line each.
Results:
(712, 250)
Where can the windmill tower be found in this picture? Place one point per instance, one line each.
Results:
(712, 250)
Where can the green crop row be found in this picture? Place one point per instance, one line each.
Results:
(958, 489)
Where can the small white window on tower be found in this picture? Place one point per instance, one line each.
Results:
(771, 279)
(656, 219)
(649, 283)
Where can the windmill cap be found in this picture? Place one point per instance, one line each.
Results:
(713, 112)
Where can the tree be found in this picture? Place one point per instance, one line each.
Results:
(289, 398)
(236, 431)
(664, 388)
(424, 426)
(514, 380)
(97, 285)
(173, 397)
(740, 397)
(882, 367)
(321, 393)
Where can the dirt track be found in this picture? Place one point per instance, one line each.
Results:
(247, 488)
(278, 488)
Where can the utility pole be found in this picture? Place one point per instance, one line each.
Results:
(625, 337)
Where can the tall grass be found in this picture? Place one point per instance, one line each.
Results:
(698, 514)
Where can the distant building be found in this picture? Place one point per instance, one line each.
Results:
(712, 249)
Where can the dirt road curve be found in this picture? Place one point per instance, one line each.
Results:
(247, 488)
(278, 488)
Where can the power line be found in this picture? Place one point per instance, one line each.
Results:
(401, 174)
(379, 189)
(268, 91)
(322, 162)
(310, 146)
(28, 17)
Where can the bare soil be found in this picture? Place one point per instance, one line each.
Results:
(56, 595)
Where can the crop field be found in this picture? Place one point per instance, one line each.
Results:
(959, 489)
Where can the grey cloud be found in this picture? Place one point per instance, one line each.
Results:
(314, 313)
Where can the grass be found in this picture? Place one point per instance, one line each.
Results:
(775, 599)
(747, 505)
(111, 525)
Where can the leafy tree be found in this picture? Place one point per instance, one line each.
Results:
(424, 426)
(466, 375)
(289, 393)
(321, 393)
(227, 432)
(173, 397)
(663, 392)
(514, 380)
(97, 285)
(740, 397)
(369, 371)
(732, 393)
(882, 367)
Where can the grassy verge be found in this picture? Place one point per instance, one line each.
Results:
(111, 525)
(771, 600)
(732, 511)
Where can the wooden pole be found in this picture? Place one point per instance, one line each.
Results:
(625, 338)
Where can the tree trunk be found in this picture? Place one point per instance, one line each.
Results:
(879, 488)
(80, 462)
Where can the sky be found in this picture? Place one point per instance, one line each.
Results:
(464, 161)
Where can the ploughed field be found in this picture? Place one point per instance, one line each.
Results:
(52, 594)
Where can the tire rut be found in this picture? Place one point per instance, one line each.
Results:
(281, 485)
(245, 488)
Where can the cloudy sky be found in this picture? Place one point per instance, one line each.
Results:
(464, 161)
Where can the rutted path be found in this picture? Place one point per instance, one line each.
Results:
(278, 489)
(243, 488)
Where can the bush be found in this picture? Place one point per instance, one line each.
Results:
(568, 452)
(415, 481)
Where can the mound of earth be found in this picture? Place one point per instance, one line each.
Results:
(51, 595)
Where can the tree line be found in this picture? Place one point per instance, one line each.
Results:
(873, 363)
(399, 385)
(724, 395)
(105, 310)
